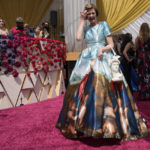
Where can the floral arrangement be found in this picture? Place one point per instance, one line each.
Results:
(41, 54)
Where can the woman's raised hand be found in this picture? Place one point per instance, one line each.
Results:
(83, 14)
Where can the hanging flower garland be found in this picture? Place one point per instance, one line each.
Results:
(41, 54)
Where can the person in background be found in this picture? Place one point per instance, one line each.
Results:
(45, 32)
(36, 31)
(117, 39)
(127, 51)
(93, 104)
(3, 29)
(30, 29)
(142, 47)
(120, 40)
(19, 29)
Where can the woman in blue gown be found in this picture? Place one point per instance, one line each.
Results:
(94, 105)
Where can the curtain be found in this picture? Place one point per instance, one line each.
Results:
(120, 13)
(134, 27)
(31, 11)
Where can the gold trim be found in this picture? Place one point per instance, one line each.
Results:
(30, 93)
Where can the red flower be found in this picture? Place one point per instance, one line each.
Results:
(30, 58)
(47, 68)
(17, 64)
(36, 49)
(5, 56)
(51, 63)
(25, 64)
(4, 36)
(5, 64)
(15, 73)
(28, 74)
(42, 58)
(10, 68)
(55, 67)
(33, 65)
(9, 44)
(18, 53)
(35, 71)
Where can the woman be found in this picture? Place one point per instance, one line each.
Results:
(3, 29)
(119, 42)
(36, 31)
(45, 30)
(93, 105)
(128, 53)
(142, 46)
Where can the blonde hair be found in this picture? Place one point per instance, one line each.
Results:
(91, 6)
(144, 32)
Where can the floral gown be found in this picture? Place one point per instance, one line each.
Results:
(143, 71)
(94, 105)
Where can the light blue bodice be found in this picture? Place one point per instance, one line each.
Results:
(95, 38)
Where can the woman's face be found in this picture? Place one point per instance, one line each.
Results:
(46, 24)
(1, 23)
(91, 16)
(37, 30)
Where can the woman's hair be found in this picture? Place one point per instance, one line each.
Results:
(45, 27)
(144, 32)
(36, 26)
(91, 6)
(3, 21)
(126, 39)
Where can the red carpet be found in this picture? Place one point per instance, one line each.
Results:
(32, 127)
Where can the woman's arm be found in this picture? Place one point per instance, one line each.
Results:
(136, 43)
(110, 44)
(79, 35)
(127, 47)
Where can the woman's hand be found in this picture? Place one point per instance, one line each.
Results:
(129, 60)
(83, 14)
(100, 54)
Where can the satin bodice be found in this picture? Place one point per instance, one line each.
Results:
(96, 35)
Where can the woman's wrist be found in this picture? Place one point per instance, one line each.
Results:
(107, 48)
(82, 20)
